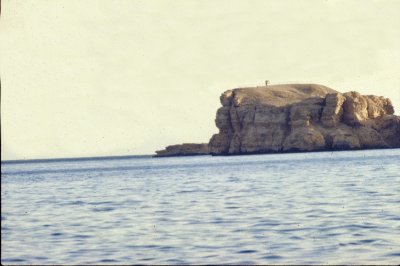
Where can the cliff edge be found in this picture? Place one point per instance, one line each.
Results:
(302, 117)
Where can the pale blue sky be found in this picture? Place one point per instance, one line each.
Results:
(100, 77)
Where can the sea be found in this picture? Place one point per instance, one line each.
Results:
(301, 208)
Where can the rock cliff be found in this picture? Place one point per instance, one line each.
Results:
(183, 150)
(302, 117)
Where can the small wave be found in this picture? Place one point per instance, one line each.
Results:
(267, 224)
(101, 203)
(82, 236)
(295, 229)
(76, 202)
(142, 246)
(272, 257)
(41, 258)
(11, 260)
(394, 254)
(105, 209)
(218, 221)
(368, 241)
(167, 248)
(147, 259)
(247, 251)
(108, 261)
(176, 261)
(186, 191)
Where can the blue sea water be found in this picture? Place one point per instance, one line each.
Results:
(304, 208)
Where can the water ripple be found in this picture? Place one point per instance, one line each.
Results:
(317, 208)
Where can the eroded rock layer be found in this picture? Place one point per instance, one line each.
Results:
(302, 117)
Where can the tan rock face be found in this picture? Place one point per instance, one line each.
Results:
(302, 117)
(345, 140)
(355, 108)
(304, 139)
(184, 149)
(333, 110)
(388, 126)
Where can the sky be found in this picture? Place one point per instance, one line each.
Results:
(103, 78)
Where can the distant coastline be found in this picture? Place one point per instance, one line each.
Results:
(92, 158)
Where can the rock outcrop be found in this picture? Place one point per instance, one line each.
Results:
(302, 117)
(184, 150)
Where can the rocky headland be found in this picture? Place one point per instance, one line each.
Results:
(299, 117)
(184, 150)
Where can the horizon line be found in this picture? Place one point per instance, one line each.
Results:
(88, 158)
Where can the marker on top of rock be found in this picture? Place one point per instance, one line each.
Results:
(299, 117)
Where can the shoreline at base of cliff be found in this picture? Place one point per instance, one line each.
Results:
(273, 152)
(295, 152)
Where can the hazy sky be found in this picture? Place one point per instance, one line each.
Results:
(101, 77)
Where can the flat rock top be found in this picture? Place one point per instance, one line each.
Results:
(279, 95)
